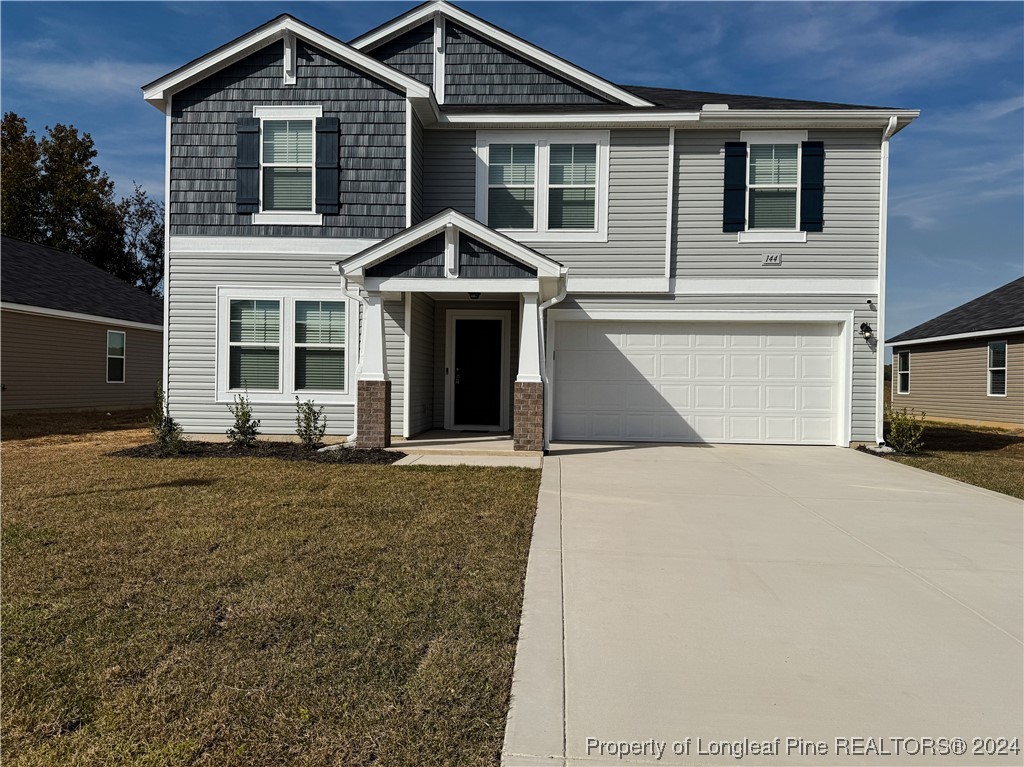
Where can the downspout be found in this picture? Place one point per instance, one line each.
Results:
(361, 329)
(883, 226)
(544, 354)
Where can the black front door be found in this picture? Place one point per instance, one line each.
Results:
(477, 373)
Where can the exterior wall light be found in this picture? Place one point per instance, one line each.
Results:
(474, 296)
(866, 331)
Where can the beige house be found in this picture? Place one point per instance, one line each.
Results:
(967, 365)
(72, 336)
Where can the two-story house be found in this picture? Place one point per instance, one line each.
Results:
(439, 225)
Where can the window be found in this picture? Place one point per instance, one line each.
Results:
(279, 343)
(319, 345)
(115, 356)
(997, 369)
(255, 345)
(903, 373)
(544, 186)
(772, 186)
(288, 165)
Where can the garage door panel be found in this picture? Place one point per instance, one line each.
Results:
(712, 382)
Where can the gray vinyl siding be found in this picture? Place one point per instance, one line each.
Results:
(394, 345)
(863, 390)
(416, 158)
(421, 364)
(54, 363)
(637, 201)
(441, 349)
(371, 145)
(847, 247)
(411, 52)
(192, 336)
(478, 71)
(949, 380)
(449, 171)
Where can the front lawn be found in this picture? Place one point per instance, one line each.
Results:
(989, 458)
(255, 611)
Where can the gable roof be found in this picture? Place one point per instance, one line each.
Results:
(156, 92)
(1000, 310)
(524, 48)
(671, 98)
(392, 246)
(40, 276)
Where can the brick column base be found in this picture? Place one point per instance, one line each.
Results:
(528, 415)
(374, 404)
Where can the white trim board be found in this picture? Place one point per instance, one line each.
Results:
(775, 286)
(502, 38)
(958, 336)
(285, 246)
(80, 316)
(158, 92)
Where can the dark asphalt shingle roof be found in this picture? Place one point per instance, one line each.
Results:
(1002, 308)
(37, 275)
(692, 100)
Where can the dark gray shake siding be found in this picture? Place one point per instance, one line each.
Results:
(479, 72)
(371, 144)
(411, 53)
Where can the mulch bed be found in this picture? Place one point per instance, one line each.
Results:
(285, 451)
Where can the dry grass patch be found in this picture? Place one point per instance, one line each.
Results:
(986, 457)
(255, 611)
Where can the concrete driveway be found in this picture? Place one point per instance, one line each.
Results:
(742, 594)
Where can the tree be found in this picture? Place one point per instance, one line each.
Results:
(53, 193)
(143, 222)
(20, 185)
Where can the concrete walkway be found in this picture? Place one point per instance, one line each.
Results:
(734, 592)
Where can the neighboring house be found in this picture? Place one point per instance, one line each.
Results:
(966, 365)
(441, 225)
(72, 336)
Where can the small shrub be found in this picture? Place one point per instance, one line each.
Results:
(166, 431)
(310, 423)
(246, 428)
(905, 430)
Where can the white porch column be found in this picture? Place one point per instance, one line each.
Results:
(529, 341)
(374, 366)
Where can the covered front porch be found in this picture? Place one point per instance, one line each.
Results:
(451, 334)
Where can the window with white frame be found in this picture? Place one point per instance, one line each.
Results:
(277, 344)
(997, 369)
(903, 373)
(773, 172)
(115, 356)
(287, 165)
(544, 186)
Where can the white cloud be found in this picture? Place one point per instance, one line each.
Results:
(98, 79)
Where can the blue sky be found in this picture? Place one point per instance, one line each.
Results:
(957, 174)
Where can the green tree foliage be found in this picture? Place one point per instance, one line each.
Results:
(53, 193)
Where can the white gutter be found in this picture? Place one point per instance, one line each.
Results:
(883, 226)
(544, 355)
(958, 336)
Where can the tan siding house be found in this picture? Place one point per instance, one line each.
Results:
(966, 365)
(73, 337)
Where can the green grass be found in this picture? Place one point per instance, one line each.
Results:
(986, 457)
(255, 611)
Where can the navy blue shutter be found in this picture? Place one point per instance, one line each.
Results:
(734, 198)
(812, 187)
(327, 165)
(247, 165)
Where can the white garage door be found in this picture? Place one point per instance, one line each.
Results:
(696, 382)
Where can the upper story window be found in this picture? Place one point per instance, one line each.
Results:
(288, 165)
(773, 186)
(544, 186)
(997, 369)
(903, 373)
